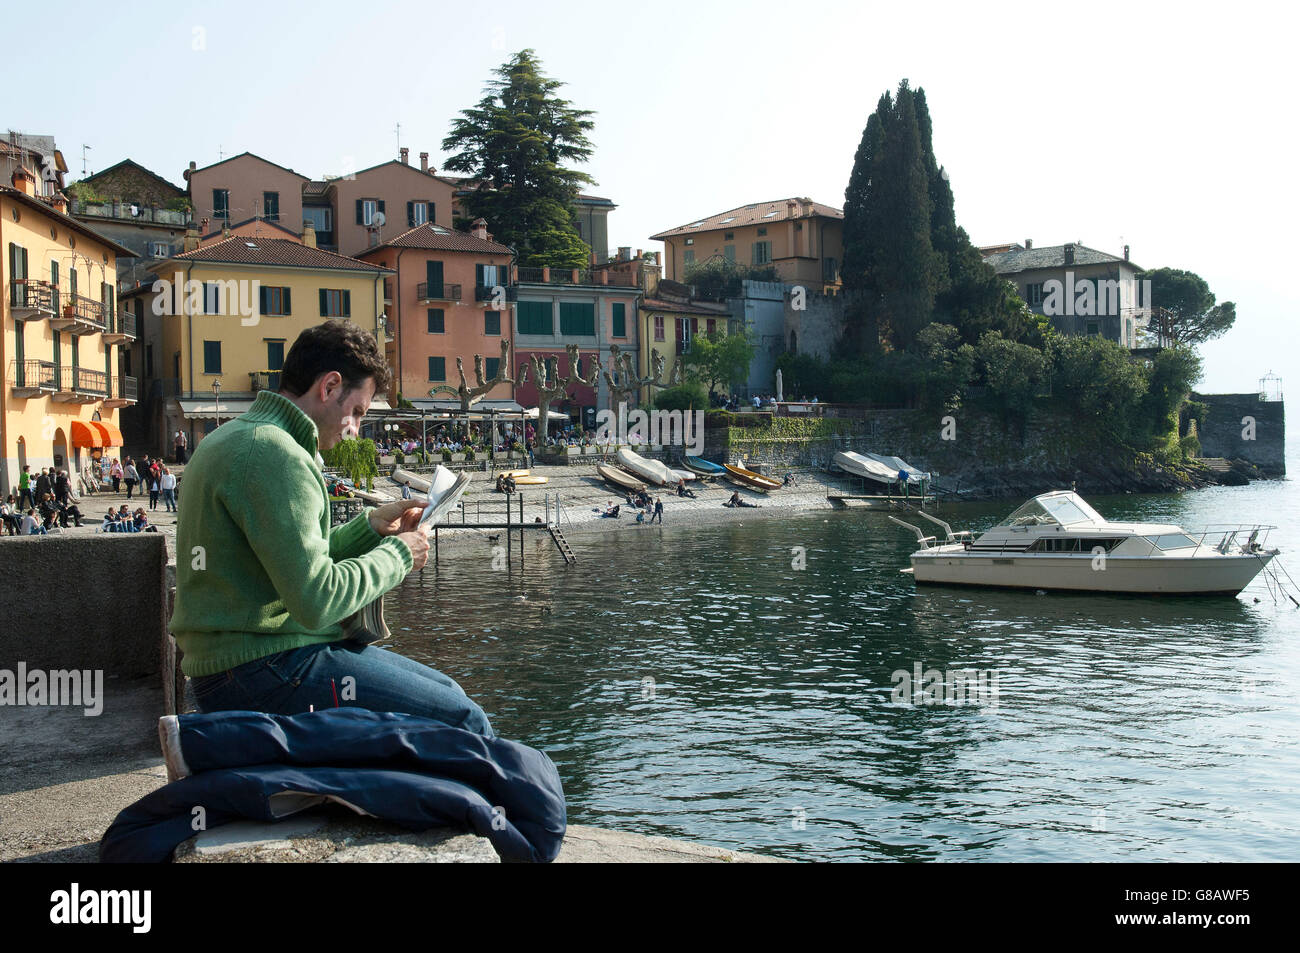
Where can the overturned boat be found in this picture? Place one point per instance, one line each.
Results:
(652, 471)
(1057, 541)
(878, 467)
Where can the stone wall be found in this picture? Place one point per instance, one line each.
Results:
(1226, 432)
(973, 454)
(85, 602)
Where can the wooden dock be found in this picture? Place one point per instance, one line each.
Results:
(513, 524)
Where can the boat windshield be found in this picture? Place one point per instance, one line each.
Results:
(1050, 510)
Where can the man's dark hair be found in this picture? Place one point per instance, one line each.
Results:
(334, 346)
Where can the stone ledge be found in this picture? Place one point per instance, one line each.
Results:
(336, 836)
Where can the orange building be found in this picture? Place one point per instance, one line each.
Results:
(441, 307)
(801, 239)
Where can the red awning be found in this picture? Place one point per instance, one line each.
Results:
(112, 436)
(85, 434)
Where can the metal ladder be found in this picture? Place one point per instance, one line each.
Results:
(562, 544)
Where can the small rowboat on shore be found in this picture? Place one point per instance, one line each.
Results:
(751, 480)
(652, 471)
(620, 478)
(704, 467)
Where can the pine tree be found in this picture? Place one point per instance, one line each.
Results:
(514, 144)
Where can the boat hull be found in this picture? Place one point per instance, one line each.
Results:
(620, 479)
(703, 467)
(1173, 575)
(751, 480)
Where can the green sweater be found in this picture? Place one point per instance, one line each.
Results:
(258, 569)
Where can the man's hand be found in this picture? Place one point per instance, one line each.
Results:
(419, 544)
(393, 519)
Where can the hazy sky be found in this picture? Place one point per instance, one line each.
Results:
(1169, 128)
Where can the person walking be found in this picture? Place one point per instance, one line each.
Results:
(62, 487)
(167, 483)
(659, 511)
(131, 475)
(25, 487)
(115, 473)
(180, 443)
(154, 489)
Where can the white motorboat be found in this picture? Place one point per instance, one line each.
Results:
(882, 469)
(1057, 541)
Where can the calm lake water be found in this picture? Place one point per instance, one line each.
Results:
(1124, 728)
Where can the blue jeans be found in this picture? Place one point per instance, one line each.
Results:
(362, 676)
(169, 499)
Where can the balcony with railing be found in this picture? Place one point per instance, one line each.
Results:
(121, 328)
(444, 292)
(32, 378)
(131, 212)
(488, 292)
(30, 299)
(80, 385)
(562, 276)
(263, 380)
(80, 315)
(123, 391)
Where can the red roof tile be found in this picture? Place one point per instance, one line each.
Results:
(256, 250)
(435, 237)
(759, 213)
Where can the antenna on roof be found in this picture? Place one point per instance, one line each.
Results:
(84, 150)
(398, 130)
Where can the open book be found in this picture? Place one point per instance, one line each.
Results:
(445, 490)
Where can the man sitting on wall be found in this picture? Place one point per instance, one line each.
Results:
(264, 585)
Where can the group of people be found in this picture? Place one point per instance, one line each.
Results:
(120, 521)
(151, 475)
(640, 501)
(40, 519)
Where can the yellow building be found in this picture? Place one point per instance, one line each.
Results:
(228, 314)
(668, 320)
(61, 337)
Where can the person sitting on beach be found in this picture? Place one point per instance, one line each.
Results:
(640, 516)
(610, 511)
(406, 489)
(735, 499)
(683, 491)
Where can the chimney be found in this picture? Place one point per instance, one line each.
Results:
(424, 162)
(790, 207)
(192, 238)
(225, 228)
(190, 171)
(1029, 243)
(1126, 253)
(204, 224)
(479, 229)
(308, 234)
(624, 253)
(638, 253)
(24, 181)
(406, 155)
(59, 202)
(1069, 254)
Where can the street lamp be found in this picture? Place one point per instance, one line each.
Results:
(216, 396)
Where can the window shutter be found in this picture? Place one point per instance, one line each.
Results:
(381, 205)
(430, 219)
(410, 214)
(263, 299)
(347, 304)
(324, 303)
(361, 212)
(433, 275)
(285, 293)
(478, 276)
